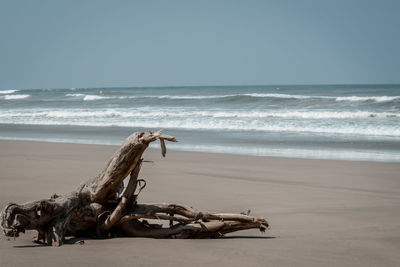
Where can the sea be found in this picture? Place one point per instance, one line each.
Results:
(344, 122)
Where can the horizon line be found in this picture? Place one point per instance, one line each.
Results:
(199, 86)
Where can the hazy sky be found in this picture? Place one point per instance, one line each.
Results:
(62, 44)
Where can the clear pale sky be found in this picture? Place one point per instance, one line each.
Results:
(63, 44)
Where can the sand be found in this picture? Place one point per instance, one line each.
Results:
(322, 212)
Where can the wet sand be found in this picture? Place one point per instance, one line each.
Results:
(321, 212)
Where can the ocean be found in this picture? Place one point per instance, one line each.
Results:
(347, 122)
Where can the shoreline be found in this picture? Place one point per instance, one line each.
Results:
(287, 145)
(153, 147)
(321, 212)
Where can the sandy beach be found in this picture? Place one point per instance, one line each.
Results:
(321, 212)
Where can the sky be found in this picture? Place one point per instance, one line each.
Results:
(64, 44)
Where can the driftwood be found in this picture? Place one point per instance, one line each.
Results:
(100, 208)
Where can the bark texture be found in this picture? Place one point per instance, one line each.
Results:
(102, 208)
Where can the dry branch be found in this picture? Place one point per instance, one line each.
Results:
(99, 210)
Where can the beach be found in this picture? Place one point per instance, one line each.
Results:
(321, 212)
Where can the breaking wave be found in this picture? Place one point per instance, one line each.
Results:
(357, 117)
(239, 96)
(3, 92)
(294, 121)
(233, 125)
(368, 98)
(13, 97)
(143, 113)
(94, 97)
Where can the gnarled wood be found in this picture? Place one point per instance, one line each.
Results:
(126, 198)
(122, 163)
(98, 209)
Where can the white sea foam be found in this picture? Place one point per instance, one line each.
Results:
(94, 97)
(13, 97)
(290, 152)
(367, 130)
(367, 98)
(3, 92)
(145, 113)
(188, 97)
(254, 95)
(97, 97)
(292, 114)
(217, 125)
(200, 120)
(343, 98)
(283, 96)
(291, 96)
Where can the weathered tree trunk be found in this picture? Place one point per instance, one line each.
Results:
(99, 209)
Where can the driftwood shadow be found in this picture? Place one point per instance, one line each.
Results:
(82, 241)
(247, 237)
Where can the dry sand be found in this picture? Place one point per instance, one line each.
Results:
(322, 212)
